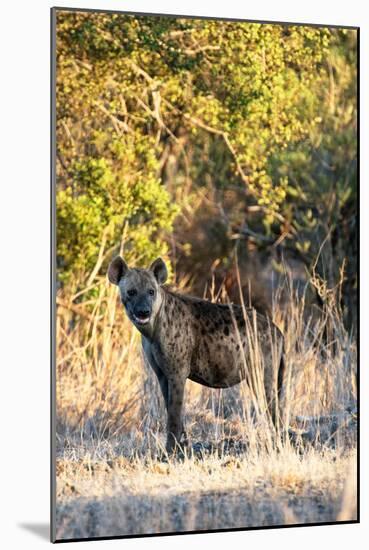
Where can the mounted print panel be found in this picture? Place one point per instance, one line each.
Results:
(205, 312)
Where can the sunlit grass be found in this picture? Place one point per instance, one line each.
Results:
(111, 429)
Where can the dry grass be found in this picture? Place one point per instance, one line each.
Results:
(110, 427)
(121, 496)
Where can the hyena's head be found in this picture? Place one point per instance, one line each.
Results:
(139, 289)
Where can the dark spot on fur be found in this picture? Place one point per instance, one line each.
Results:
(226, 330)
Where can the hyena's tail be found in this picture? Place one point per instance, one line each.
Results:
(281, 373)
(278, 416)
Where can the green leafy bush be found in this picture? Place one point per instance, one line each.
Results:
(153, 112)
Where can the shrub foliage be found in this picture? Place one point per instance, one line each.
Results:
(152, 112)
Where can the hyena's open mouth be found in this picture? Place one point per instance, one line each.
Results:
(141, 320)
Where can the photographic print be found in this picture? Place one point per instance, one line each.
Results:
(205, 242)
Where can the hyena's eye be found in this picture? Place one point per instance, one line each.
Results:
(132, 292)
(151, 292)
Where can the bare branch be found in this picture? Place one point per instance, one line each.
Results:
(197, 122)
(118, 124)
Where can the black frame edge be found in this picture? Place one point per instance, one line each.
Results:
(213, 531)
(208, 17)
(53, 273)
(358, 268)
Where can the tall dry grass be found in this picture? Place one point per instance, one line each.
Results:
(111, 426)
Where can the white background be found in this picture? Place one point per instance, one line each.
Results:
(24, 272)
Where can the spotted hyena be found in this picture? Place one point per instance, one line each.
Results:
(190, 338)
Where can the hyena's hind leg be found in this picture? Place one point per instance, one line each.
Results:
(274, 381)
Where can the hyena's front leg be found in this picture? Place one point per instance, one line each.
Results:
(176, 388)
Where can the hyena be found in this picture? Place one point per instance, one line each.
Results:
(184, 337)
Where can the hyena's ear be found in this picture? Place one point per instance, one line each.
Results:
(160, 271)
(117, 269)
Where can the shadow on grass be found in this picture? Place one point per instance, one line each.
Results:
(128, 514)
